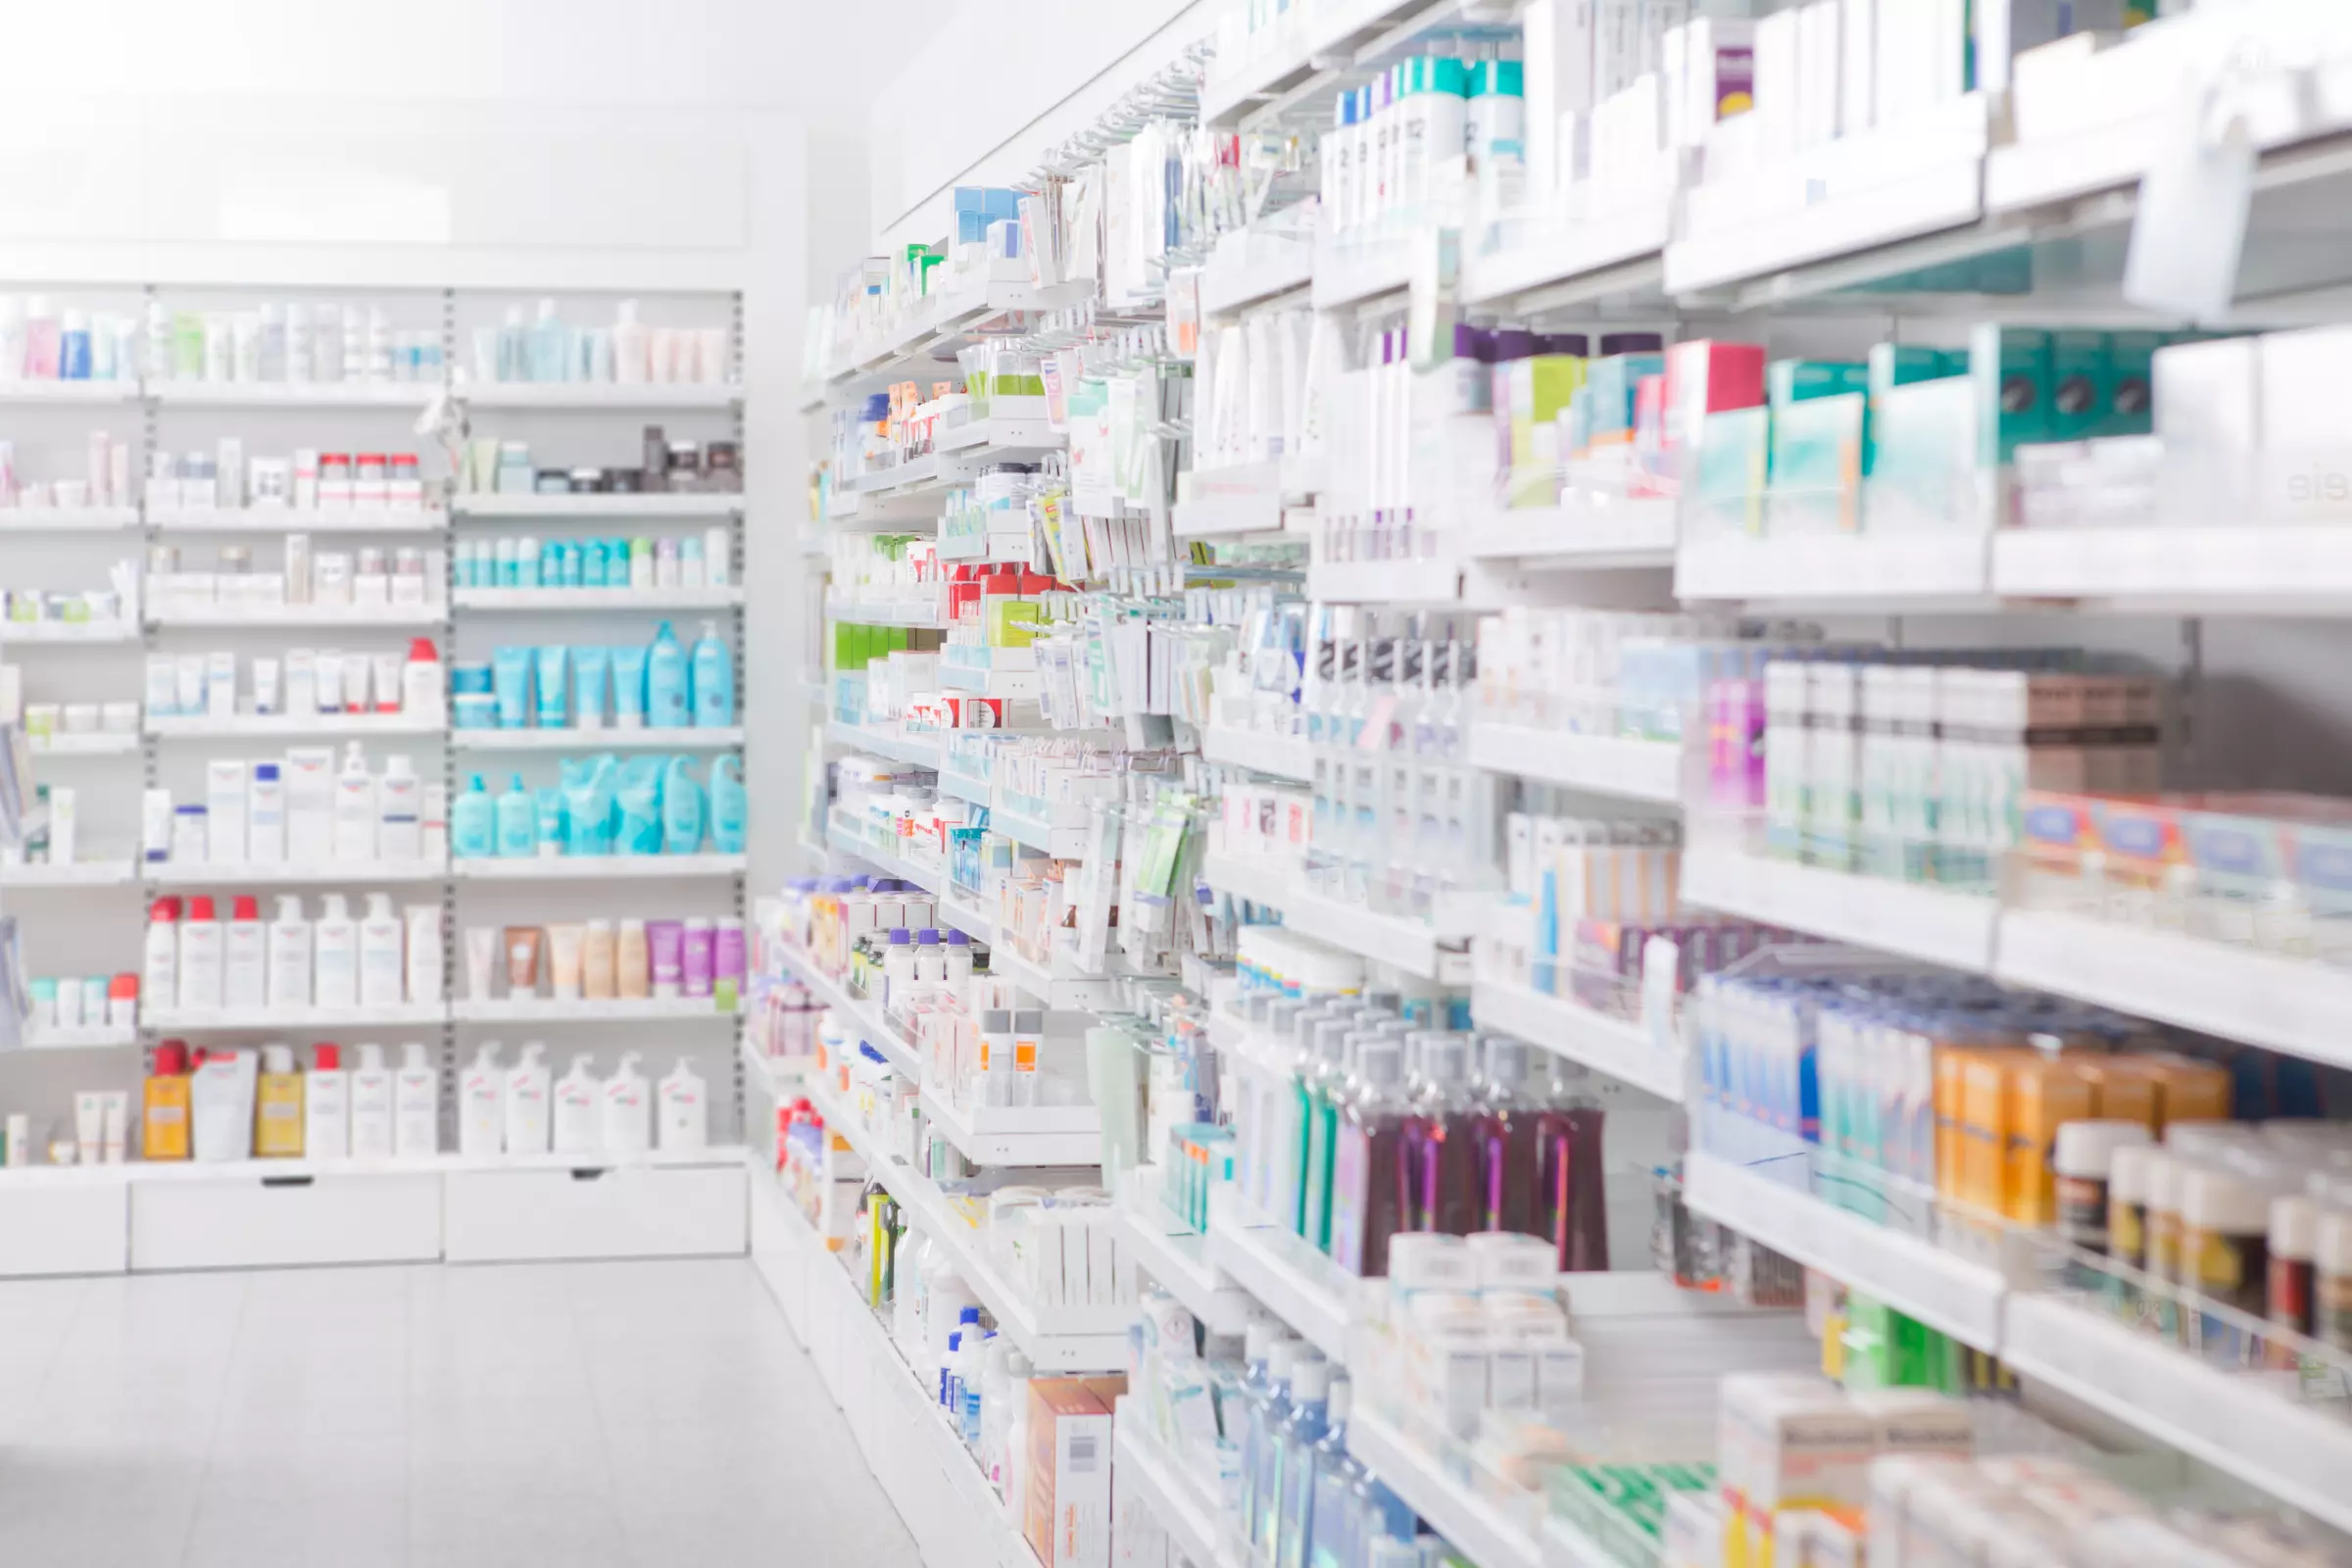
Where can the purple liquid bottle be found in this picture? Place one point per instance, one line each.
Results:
(1571, 1208)
(1369, 1179)
(1442, 1140)
(1507, 1130)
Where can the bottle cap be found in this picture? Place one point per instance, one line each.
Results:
(1310, 1381)
(124, 988)
(327, 1056)
(171, 1058)
(2087, 1149)
(200, 908)
(166, 909)
(898, 937)
(926, 937)
(956, 939)
(245, 908)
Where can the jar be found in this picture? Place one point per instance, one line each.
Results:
(586, 481)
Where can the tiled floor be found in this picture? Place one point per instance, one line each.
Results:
(582, 1415)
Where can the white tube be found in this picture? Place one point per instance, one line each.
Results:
(89, 1125)
(481, 960)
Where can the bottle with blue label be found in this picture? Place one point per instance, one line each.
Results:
(730, 806)
(517, 824)
(667, 695)
(713, 681)
(474, 823)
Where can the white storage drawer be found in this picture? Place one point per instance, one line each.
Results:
(285, 1221)
(499, 1217)
(78, 1226)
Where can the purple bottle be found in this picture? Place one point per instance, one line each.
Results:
(1442, 1140)
(1571, 1207)
(1507, 1116)
(1368, 1182)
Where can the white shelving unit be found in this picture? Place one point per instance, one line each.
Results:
(598, 599)
(598, 867)
(1415, 947)
(600, 395)
(647, 505)
(1621, 1049)
(295, 519)
(1275, 755)
(295, 730)
(714, 738)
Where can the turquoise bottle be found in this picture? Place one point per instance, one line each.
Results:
(713, 681)
(474, 823)
(517, 823)
(666, 689)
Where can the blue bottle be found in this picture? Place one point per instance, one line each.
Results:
(518, 826)
(681, 809)
(1265, 1485)
(730, 806)
(665, 683)
(1257, 1379)
(472, 823)
(1330, 1519)
(1295, 1461)
(713, 681)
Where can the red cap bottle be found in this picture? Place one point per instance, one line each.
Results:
(166, 909)
(246, 907)
(200, 908)
(327, 1056)
(171, 1058)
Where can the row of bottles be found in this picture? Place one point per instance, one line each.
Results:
(196, 960)
(1358, 1124)
(1305, 1499)
(1400, 817)
(239, 1104)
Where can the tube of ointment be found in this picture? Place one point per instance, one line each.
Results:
(89, 1125)
(155, 826)
(481, 960)
(387, 682)
(552, 663)
(115, 1129)
(267, 692)
(563, 944)
(588, 666)
(20, 1139)
(523, 961)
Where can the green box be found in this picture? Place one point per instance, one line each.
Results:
(2010, 367)
(1817, 463)
(1792, 382)
(2133, 406)
(1894, 365)
(2081, 393)
(1734, 463)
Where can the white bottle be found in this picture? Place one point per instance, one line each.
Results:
(629, 340)
(383, 970)
(356, 816)
(310, 804)
(527, 1088)
(289, 959)
(400, 811)
(371, 1104)
(425, 959)
(245, 956)
(628, 1109)
(158, 972)
(326, 1107)
(336, 941)
(482, 1105)
(266, 816)
(224, 810)
(200, 956)
(415, 1104)
(579, 1109)
(685, 1110)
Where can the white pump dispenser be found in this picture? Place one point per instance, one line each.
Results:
(415, 1105)
(371, 1106)
(577, 1104)
(355, 808)
(336, 941)
(527, 1088)
(628, 1108)
(482, 1105)
(289, 955)
(685, 1110)
(384, 974)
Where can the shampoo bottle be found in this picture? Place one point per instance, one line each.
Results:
(335, 940)
(629, 342)
(628, 1111)
(579, 1109)
(518, 826)
(685, 1110)
(681, 809)
(666, 705)
(278, 1125)
(526, 1102)
(713, 681)
(326, 1105)
(159, 973)
(200, 956)
(482, 1105)
(371, 1104)
(383, 973)
(245, 956)
(415, 1105)
(356, 814)
(426, 979)
(730, 806)
(474, 823)
(164, 1126)
(400, 811)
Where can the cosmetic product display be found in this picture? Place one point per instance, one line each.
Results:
(297, 342)
(300, 810)
(628, 352)
(626, 959)
(299, 684)
(199, 961)
(230, 478)
(604, 805)
(492, 466)
(184, 582)
(662, 685)
(94, 1005)
(102, 479)
(528, 561)
(41, 342)
(72, 613)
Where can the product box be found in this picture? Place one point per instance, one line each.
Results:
(1068, 1510)
(2009, 368)
(2042, 1091)
(1731, 466)
(1704, 377)
(1817, 465)
(2082, 385)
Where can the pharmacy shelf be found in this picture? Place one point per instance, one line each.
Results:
(2291, 1005)
(919, 614)
(295, 519)
(597, 867)
(2243, 1422)
(598, 599)
(295, 394)
(1058, 984)
(15, 632)
(1918, 921)
(68, 520)
(1182, 1511)
(1241, 498)
(77, 874)
(1007, 685)
(1360, 273)
(718, 738)
(954, 915)
(922, 751)
(1618, 765)
(1018, 1135)
(1416, 947)
(1453, 1506)
(2255, 570)
(264, 618)
(85, 1036)
(13, 389)
(1176, 1255)
(287, 727)
(1578, 536)
(1620, 1047)
(1275, 755)
(862, 1013)
(1960, 1296)
(650, 504)
(387, 1015)
(1084, 1339)
(1038, 833)
(443, 1162)
(1551, 268)
(632, 1010)
(103, 743)
(614, 395)
(1385, 583)
(930, 878)
(1289, 1278)
(924, 345)
(993, 439)
(1312, 49)
(287, 873)
(1862, 571)
(1229, 286)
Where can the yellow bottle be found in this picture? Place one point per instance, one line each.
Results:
(164, 1118)
(277, 1107)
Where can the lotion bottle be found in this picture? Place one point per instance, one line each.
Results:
(383, 976)
(371, 1104)
(245, 956)
(527, 1088)
(200, 956)
(482, 1105)
(579, 1109)
(289, 960)
(415, 1104)
(356, 815)
(278, 1120)
(336, 941)
(326, 1105)
(400, 811)
(685, 1110)
(159, 975)
(628, 1111)
(630, 362)
(517, 823)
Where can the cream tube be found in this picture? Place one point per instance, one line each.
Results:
(115, 1126)
(387, 682)
(481, 960)
(563, 944)
(89, 1125)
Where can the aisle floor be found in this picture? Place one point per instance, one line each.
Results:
(582, 1414)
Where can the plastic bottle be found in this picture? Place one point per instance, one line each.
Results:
(730, 806)
(355, 814)
(517, 823)
(277, 1123)
(1015, 1488)
(714, 680)
(579, 1106)
(245, 956)
(415, 1104)
(1367, 1204)
(326, 1105)
(948, 1389)
(400, 811)
(335, 943)
(1295, 1461)
(631, 360)
(685, 1109)
(158, 972)
(1507, 1132)
(972, 1383)
(906, 1290)
(668, 703)
(474, 823)
(898, 969)
(421, 687)
(681, 809)
(1442, 1140)
(1571, 1208)
(371, 1115)
(527, 1085)
(548, 359)
(1321, 1088)
(1259, 1341)
(200, 956)
(958, 958)
(628, 1123)
(383, 953)
(482, 1105)
(1330, 1534)
(1265, 1483)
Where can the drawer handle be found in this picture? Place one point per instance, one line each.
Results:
(590, 1173)
(287, 1181)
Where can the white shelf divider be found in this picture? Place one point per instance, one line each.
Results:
(1275, 755)
(597, 598)
(68, 631)
(1018, 1135)
(588, 396)
(1618, 1046)
(1455, 1507)
(715, 739)
(99, 743)
(595, 867)
(652, 504)
(1918, 921)
(270, 617)
(87, 1037)
(1290, 1277)
(68, 520)
(1187, 1516)
(293, 873)
(295, 519)
(1177, 1258)
(295, 394)
(76, 874)
(627, 1009)
(390, 1015)
(1413, 945)
(291, 728)
(1626, 766)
